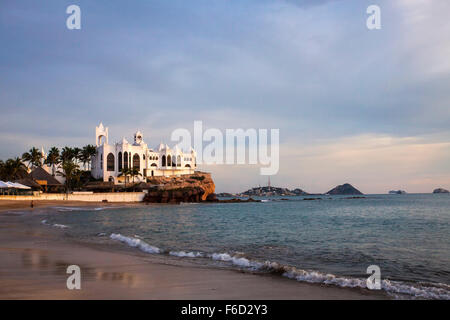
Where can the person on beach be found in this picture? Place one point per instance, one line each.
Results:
(32, 204)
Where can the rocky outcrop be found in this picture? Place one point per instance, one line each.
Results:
(344, 189)
(397, 192)
(196, 187)
(440, 190)
(268, 191)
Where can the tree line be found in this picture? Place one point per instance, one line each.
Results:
(66, 163)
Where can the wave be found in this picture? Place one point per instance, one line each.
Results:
(136, 243)
(394, 288)
(69, 209)
(183, 254)
(55, 225)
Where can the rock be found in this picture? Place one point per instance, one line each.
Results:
(212, 198)
(344, 189)
(235, 200)
(187, 188)
(397, 192)
(268, 191)
(440, 190)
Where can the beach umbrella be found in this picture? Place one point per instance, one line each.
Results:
(3, 185)
(21, 186)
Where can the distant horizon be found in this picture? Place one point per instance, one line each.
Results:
(368, 107)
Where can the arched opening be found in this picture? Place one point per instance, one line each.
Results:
(136, 161)
(125, 160)
(101, 140)
(110, 162)
(111, 179)
(188, 166)
(179, 161)
(120, 161)
(153, 165)
(153, 173)
(163, 161)
(169, 161)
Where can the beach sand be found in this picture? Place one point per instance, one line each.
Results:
(34, 259)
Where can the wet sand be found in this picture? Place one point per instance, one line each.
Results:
(34, 259)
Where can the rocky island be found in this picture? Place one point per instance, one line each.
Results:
(268, 191)
(440, 190)
(397, 192)
(344, 189)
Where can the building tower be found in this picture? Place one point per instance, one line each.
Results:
(101, 135)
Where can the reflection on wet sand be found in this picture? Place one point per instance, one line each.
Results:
(39, 260)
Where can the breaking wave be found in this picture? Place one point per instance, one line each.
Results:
(183, 254)
(396, 289)
(136, 243)
(55, 225)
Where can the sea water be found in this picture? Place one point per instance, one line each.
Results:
(331, 240)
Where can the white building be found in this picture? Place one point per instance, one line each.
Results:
(107, 164)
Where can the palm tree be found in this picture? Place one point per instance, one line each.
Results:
(86, 155)
(70, 171)
(2, 169)
(33, 157)
(67, 154)
(13, 169)
(134, 172)
(53, 158)
(77, 154)
(125, 172)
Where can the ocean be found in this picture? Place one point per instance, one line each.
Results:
(330, 241)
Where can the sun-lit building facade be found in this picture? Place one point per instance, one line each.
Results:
(111, 159)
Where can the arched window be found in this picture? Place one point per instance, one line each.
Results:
(110, 162)
(188, 166)
(163, 161)
(179, 161)
(136, 161)
(120, 161)
(125, 160)
(169, 161)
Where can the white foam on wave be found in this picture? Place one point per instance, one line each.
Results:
(238, 261)
(394, 288)
(69, 209)
(60, 226)
(136, 243)
(55, 225)
(391, 287)
(183, 254)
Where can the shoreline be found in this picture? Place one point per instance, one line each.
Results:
(35, 257)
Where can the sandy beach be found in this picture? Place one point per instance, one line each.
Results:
(34, 259)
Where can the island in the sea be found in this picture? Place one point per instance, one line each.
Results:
(344, 189)
(269, 191)
(397, 192)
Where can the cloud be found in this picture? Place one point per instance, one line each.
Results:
(308, 68)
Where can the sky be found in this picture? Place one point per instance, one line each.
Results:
(367, 107)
